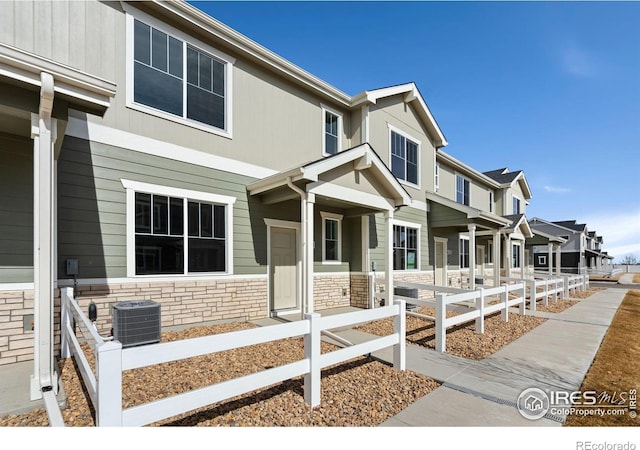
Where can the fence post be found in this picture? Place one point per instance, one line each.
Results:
(533, 295)
(584, 282)
(523, 305)
(555, 290)
(545, 299)
(505, 310)
(109, 384)
(400, 328)
(312, 379)
(441, 326)
(65, 321)
(480, 308)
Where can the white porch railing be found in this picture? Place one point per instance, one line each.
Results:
(105, 387)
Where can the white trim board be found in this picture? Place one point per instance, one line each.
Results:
(87, 130)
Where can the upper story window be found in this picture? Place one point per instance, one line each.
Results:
(463, 190)
(491, 201)
(175, 77)
(436, 180)
(516, 205)
(332, 127)
(404, 157)
(331, 237)
(405, 247)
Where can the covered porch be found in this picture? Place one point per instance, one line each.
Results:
(552, 257)
(36, 95)
(465, 237)
(336, 195)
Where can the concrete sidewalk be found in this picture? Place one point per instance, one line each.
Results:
(554, 356)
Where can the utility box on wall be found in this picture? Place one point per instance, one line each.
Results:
(136, 323)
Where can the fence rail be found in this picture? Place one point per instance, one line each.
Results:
(105, 386)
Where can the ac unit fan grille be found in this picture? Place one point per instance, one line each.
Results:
(136, 323)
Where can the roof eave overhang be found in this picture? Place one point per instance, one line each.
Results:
(411, 95)
(471, 213)
(74, 84)
(467, 170)
(365, 159)
(251, 49)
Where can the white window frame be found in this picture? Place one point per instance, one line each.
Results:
(488, 256)
(462, 237)
(491, 201)
(542, 260)
(456, 188)
(515, 262)
(415, 141)
(132, 187)
(326, 110)
(338, 218)
(513, 199)
(131, 15)
(436, 177)
(418, 228)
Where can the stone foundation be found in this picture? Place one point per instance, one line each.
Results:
(331, 290)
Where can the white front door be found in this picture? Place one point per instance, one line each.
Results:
(283, 269)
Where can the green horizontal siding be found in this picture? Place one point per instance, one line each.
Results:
(16, 210)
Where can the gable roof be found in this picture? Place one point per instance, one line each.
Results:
(508, 178)
(572, 225)
(411, 95)
(363, 157)
(519, 221)
(536, 220)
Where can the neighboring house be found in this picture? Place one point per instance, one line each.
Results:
(179, 161)
(475, 221)
(582, 249)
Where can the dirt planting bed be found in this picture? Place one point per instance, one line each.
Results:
(462, 340)
(360, 392)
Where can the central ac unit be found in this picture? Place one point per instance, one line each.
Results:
(136, 322)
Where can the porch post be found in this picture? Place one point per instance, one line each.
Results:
(550, 258)
(388, 258)
(311, 199)
(496, 258)
(43, 132)
(558, 259)
(472, 256)
(522, 259)
(507, 255)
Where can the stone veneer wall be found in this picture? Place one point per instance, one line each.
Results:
(16, 343)
(331, 290)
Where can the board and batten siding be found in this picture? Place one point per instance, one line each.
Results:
(16, 210)
(92, 206)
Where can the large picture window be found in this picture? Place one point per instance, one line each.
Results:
(404, 158)
(173, 76)
(405, 248)
(176, 231)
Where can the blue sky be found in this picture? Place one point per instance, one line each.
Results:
(552, 88)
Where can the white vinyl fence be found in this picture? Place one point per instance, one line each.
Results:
(105, 387)
(471, 305)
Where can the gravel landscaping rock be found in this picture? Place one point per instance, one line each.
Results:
(462, 340)
(360, 392)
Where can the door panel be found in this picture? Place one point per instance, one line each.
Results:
(284, 274)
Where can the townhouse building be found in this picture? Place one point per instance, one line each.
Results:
(150, 152)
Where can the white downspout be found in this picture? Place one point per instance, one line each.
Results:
(43, 132)
(303, 237)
